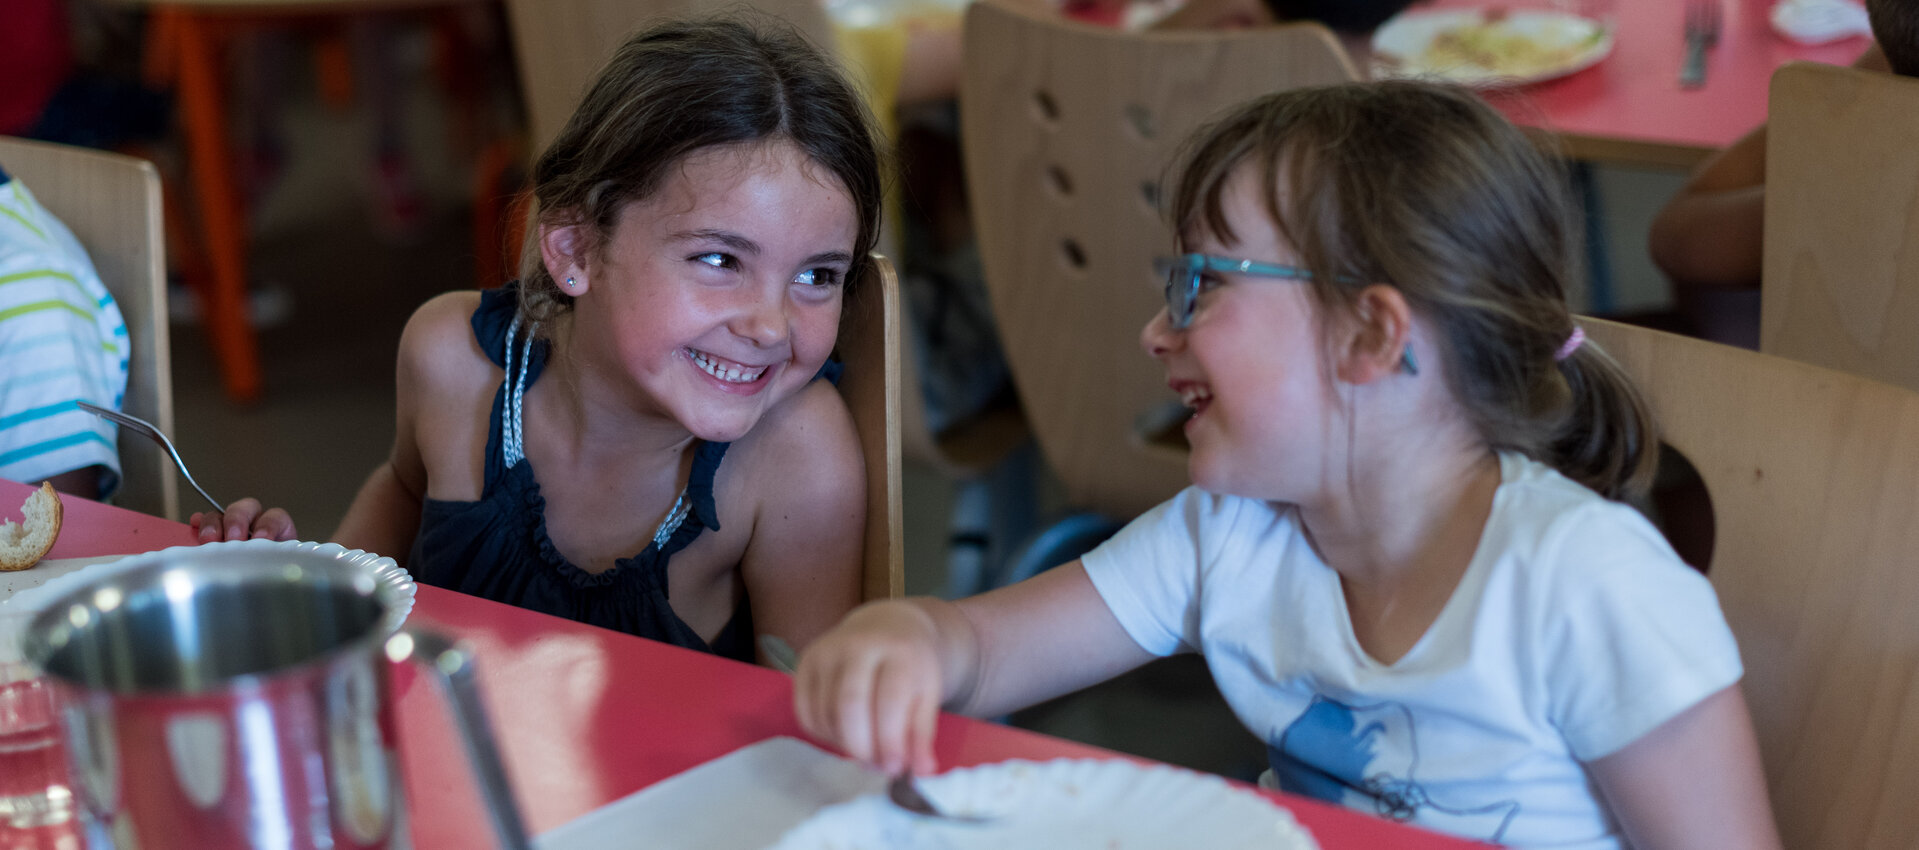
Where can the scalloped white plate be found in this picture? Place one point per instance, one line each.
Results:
(1402, 47)
(1063, 804)
(384, 569)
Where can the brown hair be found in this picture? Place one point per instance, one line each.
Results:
(1895, 25)
(679, 87)
(1428, 189)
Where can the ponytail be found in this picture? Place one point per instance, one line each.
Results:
(1608, 440)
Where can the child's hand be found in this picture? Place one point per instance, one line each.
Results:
(243, 520)
(872, 687)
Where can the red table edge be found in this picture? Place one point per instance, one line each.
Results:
(93, 529)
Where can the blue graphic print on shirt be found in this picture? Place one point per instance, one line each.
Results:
(1334, 749)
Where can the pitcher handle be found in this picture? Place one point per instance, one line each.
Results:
(452, 664)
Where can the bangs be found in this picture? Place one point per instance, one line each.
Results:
(1296, 153)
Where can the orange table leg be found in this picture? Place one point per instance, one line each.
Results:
(222, 220)
(160, 55)
(333, 64)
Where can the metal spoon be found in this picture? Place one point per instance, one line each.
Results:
(146, 429)
(905, 793)
(900, 789)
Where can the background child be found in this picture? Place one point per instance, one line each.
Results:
(696, 222)
(1399, 559)
(1710, 238)
(63, 340)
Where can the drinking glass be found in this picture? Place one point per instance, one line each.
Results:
(36, 797)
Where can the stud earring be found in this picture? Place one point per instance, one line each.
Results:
(1406, 361)
(570, 284)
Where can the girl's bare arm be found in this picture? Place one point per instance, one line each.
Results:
(802, 567)
(436, 350)
(1693, 782)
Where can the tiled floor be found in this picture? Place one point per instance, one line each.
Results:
(326, 418)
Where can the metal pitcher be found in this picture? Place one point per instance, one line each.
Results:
(219, 699)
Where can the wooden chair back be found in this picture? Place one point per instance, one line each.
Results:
(1841, 284)
(1814, 481)
(869, 344)
(112, 205)
(560, 45)
(1068, 130)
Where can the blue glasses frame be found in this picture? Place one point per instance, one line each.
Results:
(1183, 274)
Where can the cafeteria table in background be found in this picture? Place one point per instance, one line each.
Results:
(1629, 108)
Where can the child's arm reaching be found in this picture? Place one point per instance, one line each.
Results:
(874, 685)
(1694, 781)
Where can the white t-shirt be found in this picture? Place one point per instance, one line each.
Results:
(1574, 631)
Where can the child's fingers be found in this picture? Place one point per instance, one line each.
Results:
(239, 518)
(852, 709)
(275, 524)
(818, 685)
(925, 718)
(896, 698)
(209, 526)
(809, 690)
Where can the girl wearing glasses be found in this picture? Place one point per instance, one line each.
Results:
(1404, 557)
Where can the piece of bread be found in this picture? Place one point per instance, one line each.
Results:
(23, 545)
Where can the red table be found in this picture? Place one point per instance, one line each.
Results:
(586, 716)
(1630, 109)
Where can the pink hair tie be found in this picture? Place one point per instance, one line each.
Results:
(1572, 344)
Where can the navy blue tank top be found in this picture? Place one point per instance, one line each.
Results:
(497, 548)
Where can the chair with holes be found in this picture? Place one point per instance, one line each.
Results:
(1840, 289)
(1068, 130)
(1813, 477)
(869, 344)
(112, 205)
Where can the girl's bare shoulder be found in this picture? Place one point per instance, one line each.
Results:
(438, 350)
(806, 445)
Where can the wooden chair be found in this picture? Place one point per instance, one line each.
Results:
(1814, 481)
(869, 345)
(1841, 285)
(112, 205)
(1067, 131)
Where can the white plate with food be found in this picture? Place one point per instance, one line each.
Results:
(384, 570)
(1064, 804)
(1489, 46)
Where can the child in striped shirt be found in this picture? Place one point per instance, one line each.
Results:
(62, 340)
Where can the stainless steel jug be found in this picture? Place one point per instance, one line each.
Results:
(218, 699)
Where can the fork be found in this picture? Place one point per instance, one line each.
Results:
(905, 793)
(1703, 22)
(146, 429)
